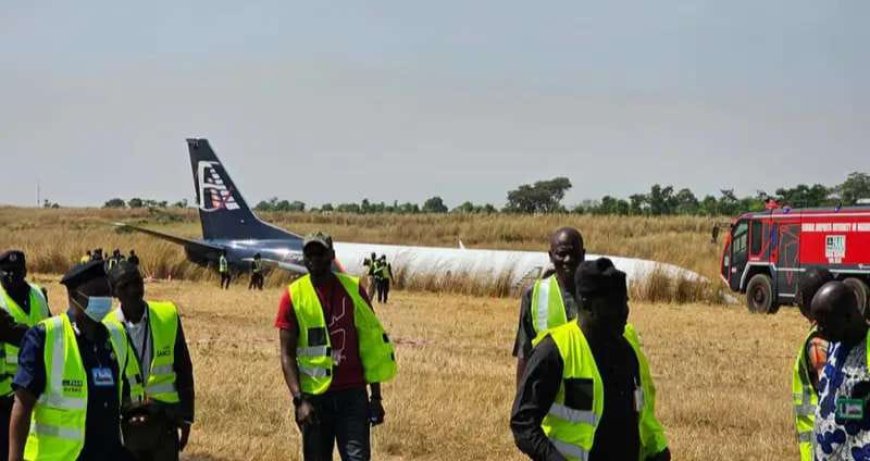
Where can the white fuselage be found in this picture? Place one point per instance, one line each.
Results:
(482, 263)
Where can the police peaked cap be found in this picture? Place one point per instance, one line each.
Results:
(12, 259)
(83, 273)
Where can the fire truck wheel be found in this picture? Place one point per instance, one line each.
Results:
(861, 291)
(759, 295)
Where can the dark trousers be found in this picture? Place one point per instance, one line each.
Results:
(5, 414)
(256, 281)
(225, 280)
(165, 448)
(383, 290)
(343, 417)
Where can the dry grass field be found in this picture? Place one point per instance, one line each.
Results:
(723, 376)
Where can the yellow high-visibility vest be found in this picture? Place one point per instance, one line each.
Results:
(9, 352)
(314, 358)
(805, 400)
(547, 308)
(163, 327)
(57, 427)
(572, 430)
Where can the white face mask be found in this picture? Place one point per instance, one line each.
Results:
(97, 307)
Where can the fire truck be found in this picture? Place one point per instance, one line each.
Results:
(765, 252)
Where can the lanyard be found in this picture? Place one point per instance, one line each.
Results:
(140, 350)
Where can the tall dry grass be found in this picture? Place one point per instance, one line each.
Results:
(723, 376)
(54, 239)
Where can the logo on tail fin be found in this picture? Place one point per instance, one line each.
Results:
(213, 193)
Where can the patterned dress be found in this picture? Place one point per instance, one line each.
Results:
(845, 373)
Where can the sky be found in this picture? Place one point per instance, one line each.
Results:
(332, 101)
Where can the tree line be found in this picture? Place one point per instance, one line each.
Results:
(546, 197)
(137, 202)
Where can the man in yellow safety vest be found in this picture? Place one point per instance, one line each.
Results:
(550, 301)
(224, 270)
(71, 379)
(256, 273)
(156, 422)
(332, 347)
(810, 362)
(22, 305)
(587, 391)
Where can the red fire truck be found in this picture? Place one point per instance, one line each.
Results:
(765, 252)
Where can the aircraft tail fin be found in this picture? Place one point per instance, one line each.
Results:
(223, 212)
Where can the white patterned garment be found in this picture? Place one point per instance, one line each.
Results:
(843, 441)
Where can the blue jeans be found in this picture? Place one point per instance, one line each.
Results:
(342, 417)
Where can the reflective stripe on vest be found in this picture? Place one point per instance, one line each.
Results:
(572, 430)
(575, 416)
(570, 451)
(804, 400)
(38, 312)
(314, 351)
(223, 264)
(315, 360)
(547, 306)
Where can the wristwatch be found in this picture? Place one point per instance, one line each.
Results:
(297, 399)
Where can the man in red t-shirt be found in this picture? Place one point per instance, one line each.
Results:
(344, 412)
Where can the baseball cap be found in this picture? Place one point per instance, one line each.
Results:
(319, 238)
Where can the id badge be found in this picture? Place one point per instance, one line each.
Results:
(102, 377)
(850, 409)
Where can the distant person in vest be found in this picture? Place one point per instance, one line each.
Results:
(224, 269)
(133, 258)
(86, 258)
(371, 264)
(332, 346)
(116, 258)
(256, 273)
(587, 391)
(68, 388)
(383, 277)
(842, 420)
(22, 305)
(156, 422)
(810, 362)
(550, 301)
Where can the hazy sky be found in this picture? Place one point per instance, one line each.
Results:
(327, 101)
